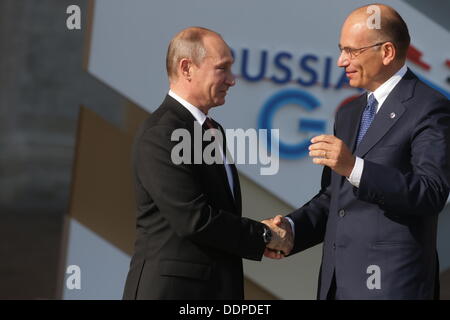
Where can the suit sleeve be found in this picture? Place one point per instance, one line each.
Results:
(424, 189)
(311, 219)
(179, 197)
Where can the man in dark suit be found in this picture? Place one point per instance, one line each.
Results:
(191, 236)
(386, 173)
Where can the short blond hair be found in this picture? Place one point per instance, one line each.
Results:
(187, 43)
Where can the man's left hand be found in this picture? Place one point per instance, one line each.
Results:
(332, 152)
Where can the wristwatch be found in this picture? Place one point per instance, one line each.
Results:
(267, 235)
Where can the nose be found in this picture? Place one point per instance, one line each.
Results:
(231, 79)
(343, 60)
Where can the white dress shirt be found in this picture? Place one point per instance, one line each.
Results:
(201, 117)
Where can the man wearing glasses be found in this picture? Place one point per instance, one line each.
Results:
(386, 173)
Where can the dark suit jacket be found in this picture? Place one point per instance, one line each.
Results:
(390, 221)
(190, 233)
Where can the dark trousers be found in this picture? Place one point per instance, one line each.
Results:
(332, 292)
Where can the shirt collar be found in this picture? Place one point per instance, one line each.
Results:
(196, 112)
(383, 91)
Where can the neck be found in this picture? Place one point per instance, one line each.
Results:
(387, 74)
(186, 95)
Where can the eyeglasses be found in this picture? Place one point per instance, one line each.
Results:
(354, 52)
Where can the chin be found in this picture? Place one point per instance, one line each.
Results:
(354, 84)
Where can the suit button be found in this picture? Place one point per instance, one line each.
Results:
(334, 246)
(341, 213)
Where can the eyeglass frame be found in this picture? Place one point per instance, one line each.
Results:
(361, 50)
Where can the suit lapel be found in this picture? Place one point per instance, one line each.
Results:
(214, 169)
(236, 194)
(389, 113)
(348, 125)
(221, 171)
(351, 121)
(237, 188)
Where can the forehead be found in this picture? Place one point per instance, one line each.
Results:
(356, 33)
(217, 49)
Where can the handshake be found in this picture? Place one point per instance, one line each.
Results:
(282, 240)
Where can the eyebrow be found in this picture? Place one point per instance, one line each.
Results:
(225, 61)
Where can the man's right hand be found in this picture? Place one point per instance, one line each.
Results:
(282, 240)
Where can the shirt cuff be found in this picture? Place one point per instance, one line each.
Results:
(355, 176)
(292, 226)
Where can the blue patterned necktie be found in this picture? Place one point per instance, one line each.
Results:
(367, 117)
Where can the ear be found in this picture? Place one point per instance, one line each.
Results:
(389, 53)
(185, 68)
